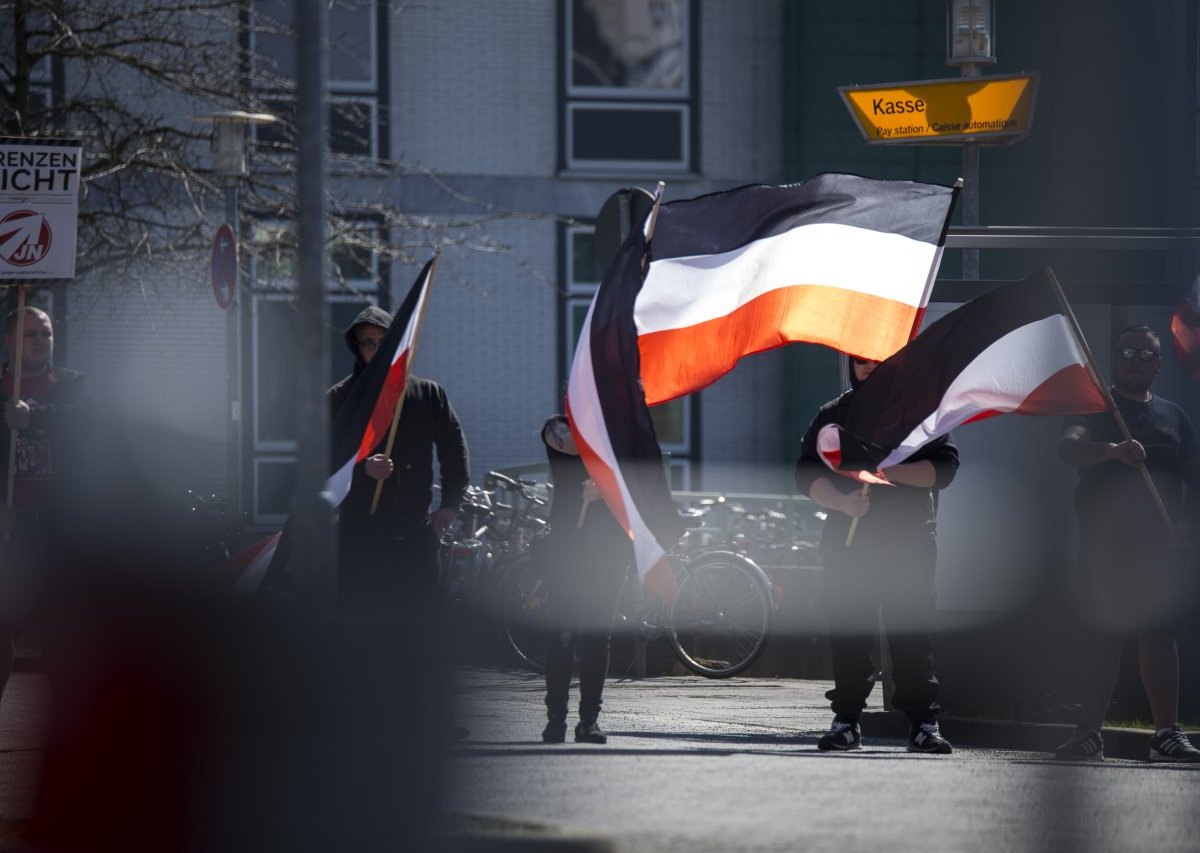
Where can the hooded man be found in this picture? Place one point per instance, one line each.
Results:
(397, 547)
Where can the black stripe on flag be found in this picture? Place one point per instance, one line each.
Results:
(725, 221)
(909, 386)
(617, 370)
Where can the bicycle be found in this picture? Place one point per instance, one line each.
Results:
(496, 524)
(717, 625)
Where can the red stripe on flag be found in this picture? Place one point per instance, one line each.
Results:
(678, 361)
(983, 416)
(385, 407)
(603, 476)
(1070, 388)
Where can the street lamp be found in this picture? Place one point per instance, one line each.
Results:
(230, 161)
(970, 33)
(970, 42)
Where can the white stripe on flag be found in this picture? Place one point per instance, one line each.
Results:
(999, 379)
(589, 420)
(681, 292)
(410, 332)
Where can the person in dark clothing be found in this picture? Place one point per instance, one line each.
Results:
(48, 421)
(888, 569)
(585, 557)
(395, 549)
(1131, 565)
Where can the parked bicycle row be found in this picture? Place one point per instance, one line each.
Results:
(719, 622)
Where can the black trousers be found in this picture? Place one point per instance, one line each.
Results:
(583, 596)
(894, 580)
(381, 564)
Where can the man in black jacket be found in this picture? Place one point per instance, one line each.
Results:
(887, 570)
(396, 548)
(47, 421)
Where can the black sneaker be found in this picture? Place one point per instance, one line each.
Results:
(588, 731)
(1173, 745)
(843, 734)
(555, 731)
(926, 737)
(1082, 746)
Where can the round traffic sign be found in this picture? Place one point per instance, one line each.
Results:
(224, 266)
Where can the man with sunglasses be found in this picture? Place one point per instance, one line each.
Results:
(888, 569)
(1131, 568)
(395, 550)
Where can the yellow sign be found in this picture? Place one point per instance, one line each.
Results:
(956, 110)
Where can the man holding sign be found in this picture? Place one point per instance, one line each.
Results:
(39, 435)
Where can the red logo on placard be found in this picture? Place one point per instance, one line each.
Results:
(25, 238)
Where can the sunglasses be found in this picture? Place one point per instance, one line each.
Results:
(1130, 353)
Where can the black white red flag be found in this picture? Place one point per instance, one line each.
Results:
(1185, 331)
(359, 429)
(838, 260)
(1011, 351)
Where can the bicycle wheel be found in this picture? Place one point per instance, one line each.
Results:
(524, 612)
(719, 622)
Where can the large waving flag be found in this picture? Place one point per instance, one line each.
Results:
(839, 260)
(361, 426)
(1013, 350)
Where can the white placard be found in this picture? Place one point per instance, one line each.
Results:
(39, 207)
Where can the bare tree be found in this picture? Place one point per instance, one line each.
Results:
(126, 77)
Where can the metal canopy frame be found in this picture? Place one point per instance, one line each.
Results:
(1046, 238)
(1055, 237)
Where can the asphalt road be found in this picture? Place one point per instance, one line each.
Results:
(698, 765)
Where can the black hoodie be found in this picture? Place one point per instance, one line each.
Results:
(427, 420)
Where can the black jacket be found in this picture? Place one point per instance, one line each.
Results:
(427, 421)
(897, 512)
(62, 415)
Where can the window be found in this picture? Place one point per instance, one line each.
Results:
(628, 88)
(273, 340)
(354, 74)
(673, 420)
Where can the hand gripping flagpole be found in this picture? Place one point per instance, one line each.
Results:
(854, 522)
(1103, 386)
(650, 223)
(18, 351)
(412, 352)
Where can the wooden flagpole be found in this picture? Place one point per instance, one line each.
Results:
(412, 352)
(650, 223)
(1095, 371)
(854, 521)
(18, 351)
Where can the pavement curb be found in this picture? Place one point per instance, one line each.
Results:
(1131, 744)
